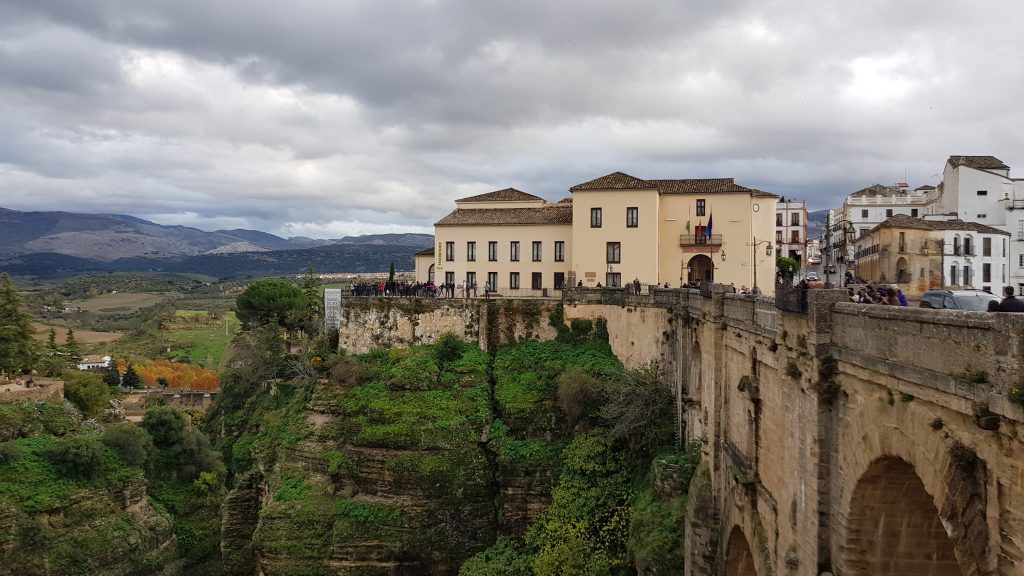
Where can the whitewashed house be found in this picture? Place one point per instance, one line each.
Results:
(94, 363)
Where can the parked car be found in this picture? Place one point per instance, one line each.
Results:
(812, 276)
(970, 300)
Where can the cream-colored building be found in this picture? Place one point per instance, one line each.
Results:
(507, 242)
(672, 231)
(614, 230)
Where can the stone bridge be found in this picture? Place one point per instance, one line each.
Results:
(846, 439)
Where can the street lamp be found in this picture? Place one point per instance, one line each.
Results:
(753, 253)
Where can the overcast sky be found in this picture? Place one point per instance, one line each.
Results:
(325, 118)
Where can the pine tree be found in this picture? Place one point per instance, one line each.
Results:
(391, 273)
(314, 301)
(131, 378)
(51, 340)
(71, 347)
(17, 351)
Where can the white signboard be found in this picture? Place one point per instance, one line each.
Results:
(332, 309)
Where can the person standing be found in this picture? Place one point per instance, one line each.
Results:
(1009, 303)
(900, 296)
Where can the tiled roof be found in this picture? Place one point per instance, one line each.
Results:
(425, 252)
(874, 190)
(506, 195)
(904, 221)
(693, 185)
(979, 162)
(614, 181)
(550, 214)
(925, 187)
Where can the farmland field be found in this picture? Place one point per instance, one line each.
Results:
(84, 337)
(120, 303)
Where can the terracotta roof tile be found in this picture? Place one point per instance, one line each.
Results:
(425, 252)
(904, 221)
(615, 181)
(979, 162)
(550, 214)
(693, 185)
(506, 195)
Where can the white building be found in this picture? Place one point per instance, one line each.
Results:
(791, 229)
(980, 189)
(869, 207)
(94, 363)
(975, 256)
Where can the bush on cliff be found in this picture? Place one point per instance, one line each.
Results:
(504, 558)
(132, 443)
(79, 457)
(638, 410)
(87, 391)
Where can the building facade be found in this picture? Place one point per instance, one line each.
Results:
(920, 255)
(614, 230)
(506, 243)
(791, 229)
(869, 207)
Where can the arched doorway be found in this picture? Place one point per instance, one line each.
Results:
(430, 274)
(701, 269)
(894, 526)
(739, 561)
(694, 396)
(902, 270)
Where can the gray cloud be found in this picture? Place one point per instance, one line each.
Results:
(328, 118)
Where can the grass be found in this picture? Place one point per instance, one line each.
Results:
(204, 344)
(84, 337)
(120, 303)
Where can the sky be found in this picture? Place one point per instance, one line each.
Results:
(327, 118)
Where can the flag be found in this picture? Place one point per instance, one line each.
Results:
(687, 220)
(699, 231)
(707, 231)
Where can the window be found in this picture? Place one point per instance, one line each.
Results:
(514, 251)
(613, 280)
(595, 217)
(513, 280)
(492, 251)
(538, 251)
(794, 219)
(778, 219)
(864, 232)
(982, 216)
(470, 280)
(778, 236)
(471, 251)
(1020, 261)
(559, 251)
(449, 251)
(952, 275)
(449, 277)
(913, 212)
(982, 192)
(614, 250)
(632, 217)
(492, 281)
(956, 245)
(903, 241)
(537, 281)
(986, 272)
(967, 276)
(986, 246)
(700, 207)
(863, 213)
(559, 280)
(888, 212)
(794, 237)
(967, 246)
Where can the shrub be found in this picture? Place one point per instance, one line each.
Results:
(638, 410)
(132, 443)
(78, 457)
(449, 348)
(348, 372)
(87, 391)
(194, 455)
(504, 558)
(792, 370)
(8, 451)
(578, 394)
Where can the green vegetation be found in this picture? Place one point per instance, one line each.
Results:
(17, 349)
(87, 391)
(272, 301)
(787, 267)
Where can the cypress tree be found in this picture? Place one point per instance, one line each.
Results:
(72, 348)
(17, 351)
(131, 378)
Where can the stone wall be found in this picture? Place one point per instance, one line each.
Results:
(42, 389)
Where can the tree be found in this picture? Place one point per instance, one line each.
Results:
(133, 443)
(314, 300)
(638, 410)
(71, 347)
(87, 391)
(78, 457)
(786, 267)
(111, 377)
(17, 350)
(165, 425)
(131, 378)
(391, 272)
(51, 340)
(272, 302)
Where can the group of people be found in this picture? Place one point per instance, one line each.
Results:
(1008, 304)
(891, 296)
(407, 289)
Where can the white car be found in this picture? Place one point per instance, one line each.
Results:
(812, 277)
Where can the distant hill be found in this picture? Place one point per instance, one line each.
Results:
(816, 224)
(324, 259)
(111, 237)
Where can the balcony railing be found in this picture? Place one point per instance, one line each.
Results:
(691, 240)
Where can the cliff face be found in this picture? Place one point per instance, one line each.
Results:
(54, 524)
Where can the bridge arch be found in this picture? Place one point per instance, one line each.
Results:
(894, 527)
(739, 560)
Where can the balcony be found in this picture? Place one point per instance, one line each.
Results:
(691, 240)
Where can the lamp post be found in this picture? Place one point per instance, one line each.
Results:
(753, 254)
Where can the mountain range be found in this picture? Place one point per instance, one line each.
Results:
(45, 245)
